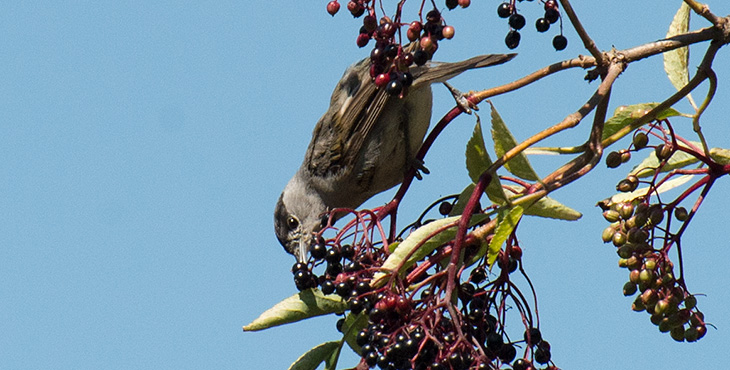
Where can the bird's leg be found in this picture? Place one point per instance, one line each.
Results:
(461, 99)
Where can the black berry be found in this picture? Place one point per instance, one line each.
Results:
(517, 21)
(504, 10)
(394, 87)
(513, 39)
(552, 15)
(542, 25)
(560, 42)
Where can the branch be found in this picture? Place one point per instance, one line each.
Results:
(587, 41)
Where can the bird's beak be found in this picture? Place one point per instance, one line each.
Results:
(303, 250)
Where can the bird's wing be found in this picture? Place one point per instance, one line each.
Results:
(354, 109)
(340, 134)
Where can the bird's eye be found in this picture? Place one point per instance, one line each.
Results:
(292, 222)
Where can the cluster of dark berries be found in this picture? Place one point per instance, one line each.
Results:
(517, 22)
(651, 272)
(409, 326)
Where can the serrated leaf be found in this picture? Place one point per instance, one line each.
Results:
(478, 161)
(508, 220)
(665, 186)
(415, 238)
(721, 156)
(503, 142)
(676, 61)
(305, 304)
(546, 207)
(626, 114)
(679, 159)
(315, 356)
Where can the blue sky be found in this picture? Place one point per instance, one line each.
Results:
(144, 145)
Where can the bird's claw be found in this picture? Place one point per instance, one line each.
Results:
(419, 166)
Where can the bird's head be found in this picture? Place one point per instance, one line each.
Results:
(300, 212)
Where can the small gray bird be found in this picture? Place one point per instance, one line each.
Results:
(361, 146)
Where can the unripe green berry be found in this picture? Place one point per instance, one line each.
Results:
(661, 307)
(640, 140)
(613, 159)
(681, 214)
(625, 156)
(611, 215)
(638, 306)
(656, 215)
(663, 151)
(634, 276)
(619, 238)
(677, 333)
(628, 184)
(634, 262)
(626, 210)
(690, 302)
(646, 276)
(650, 264)
(691, 334)
(664, 326)
(607, 234)
(677, 319)
(656, 319)
(625, 251)
(649, 297)
(629, 288)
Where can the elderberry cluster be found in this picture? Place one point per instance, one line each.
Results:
(517, 21)
(640, 230)
(408, 325)
(651, 272)
(389, 60)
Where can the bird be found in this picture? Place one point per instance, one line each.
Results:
(363, 145)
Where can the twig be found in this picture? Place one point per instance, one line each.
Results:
(587, 41)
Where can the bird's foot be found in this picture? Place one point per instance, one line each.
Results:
(420, 168)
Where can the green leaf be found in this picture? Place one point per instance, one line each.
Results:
(721, 156)
(546, 207)
(503, 142)
(305, 304)
(353, 325)
(415, 238)
(626, 114)
(508, 219)
(550, 208)
(665, 186)
(676, 61)
(315, 356)
(478, 161)
(679, 159)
